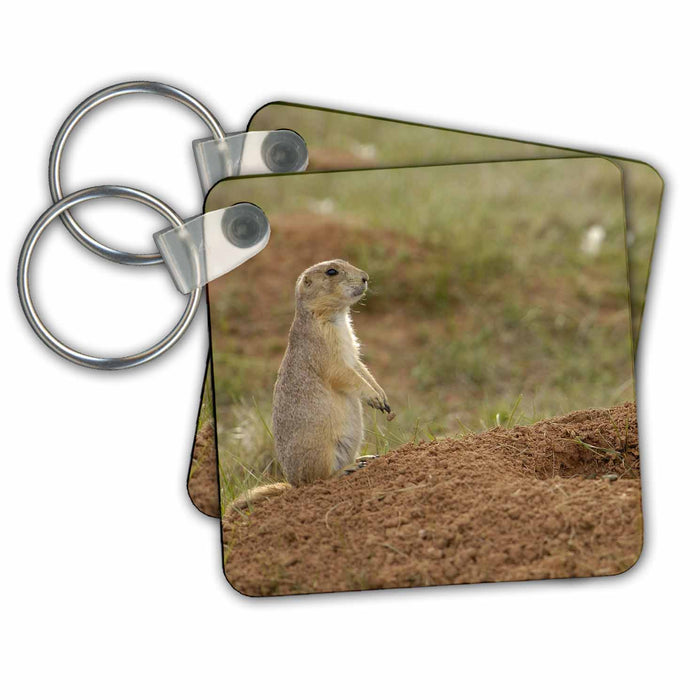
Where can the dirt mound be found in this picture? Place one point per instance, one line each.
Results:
(203, 485)
(557, 499)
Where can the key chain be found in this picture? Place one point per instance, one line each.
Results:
(62, 207)
(456, 300)
(222, 155)
(498, 288)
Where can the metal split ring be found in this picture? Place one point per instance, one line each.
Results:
(61, 208)
(100, 97)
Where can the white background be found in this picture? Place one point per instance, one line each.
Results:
(112, 583)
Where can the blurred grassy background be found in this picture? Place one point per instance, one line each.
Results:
(340, 140)
(487, 304)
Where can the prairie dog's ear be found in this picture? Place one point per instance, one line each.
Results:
(306, 280)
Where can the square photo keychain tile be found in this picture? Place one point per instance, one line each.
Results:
(483, 318)
(341, 140)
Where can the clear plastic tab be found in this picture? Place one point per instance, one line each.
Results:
(211, 245)
(249, 153)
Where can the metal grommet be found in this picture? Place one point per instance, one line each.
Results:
(28, 306)
(108, 93)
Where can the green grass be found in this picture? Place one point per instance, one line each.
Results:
(246, 450)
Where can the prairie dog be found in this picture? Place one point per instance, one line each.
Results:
(322, 382)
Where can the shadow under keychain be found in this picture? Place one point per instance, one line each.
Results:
(499, 285)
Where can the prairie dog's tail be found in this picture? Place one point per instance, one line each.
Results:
(259, 493)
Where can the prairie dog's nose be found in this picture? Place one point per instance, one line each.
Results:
(365, 278)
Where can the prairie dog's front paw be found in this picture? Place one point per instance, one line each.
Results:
(379, 402)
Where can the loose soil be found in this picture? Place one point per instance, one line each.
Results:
(557, 499)
(203, 484)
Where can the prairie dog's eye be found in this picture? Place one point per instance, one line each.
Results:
(331, 271)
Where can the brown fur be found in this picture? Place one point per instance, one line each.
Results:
(322, 382)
